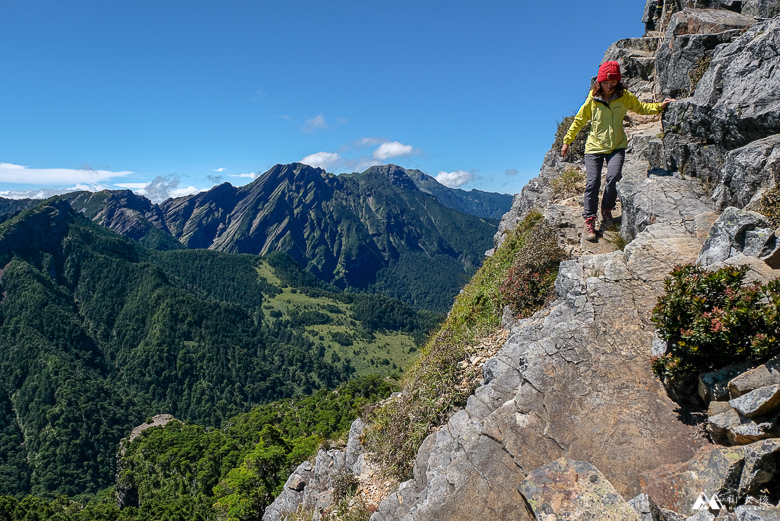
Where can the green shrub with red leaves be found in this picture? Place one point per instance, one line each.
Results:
(529, 282)
(712, 319)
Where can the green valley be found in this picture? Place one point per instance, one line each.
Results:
(98, 333)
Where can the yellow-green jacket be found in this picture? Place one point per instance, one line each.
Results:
(606, 131)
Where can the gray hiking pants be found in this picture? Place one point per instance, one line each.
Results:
(593, 166)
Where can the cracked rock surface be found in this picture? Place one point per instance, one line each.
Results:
(573, 381)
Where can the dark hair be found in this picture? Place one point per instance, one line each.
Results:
(598, 92)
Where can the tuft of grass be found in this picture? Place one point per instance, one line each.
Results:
(437, 383)
(568, 183)
(613, 236)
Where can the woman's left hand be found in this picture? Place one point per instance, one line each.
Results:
(666, 102)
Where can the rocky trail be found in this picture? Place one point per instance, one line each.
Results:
(569, 421)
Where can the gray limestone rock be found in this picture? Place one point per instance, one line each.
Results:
(761, 376)
(730, 428)
(702, 515)
(646, 508)
(311, 485)
(705, 21)
(578, 372)
(759, 402)
(748, 172)
(757, 513)
(736, 101)
(652, 199)
(681, 61)
(761, 8)
(715, 384)
(637, 63)
(737, 231)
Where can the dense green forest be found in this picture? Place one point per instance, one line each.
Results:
(98, 333)
(183, 471)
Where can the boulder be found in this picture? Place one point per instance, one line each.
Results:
(761, 376)
(728, 472)
(715, 384)
(748, 172)
(759, 402)
(705, 21)
(728, 427)
(702, 515)
(759, 272)
(569, 489)
(737, 231)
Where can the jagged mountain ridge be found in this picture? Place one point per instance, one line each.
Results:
(373, 229)
(379, 230)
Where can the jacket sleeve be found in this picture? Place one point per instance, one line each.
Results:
(582, 117)
(634, 105)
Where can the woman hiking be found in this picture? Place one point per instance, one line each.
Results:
(606, 106)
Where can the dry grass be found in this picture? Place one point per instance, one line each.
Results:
(568, 183)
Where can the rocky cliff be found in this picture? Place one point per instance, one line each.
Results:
(569, 421)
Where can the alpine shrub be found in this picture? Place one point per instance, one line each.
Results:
(529, 282)
(710, 320)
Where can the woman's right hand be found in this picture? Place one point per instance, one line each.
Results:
(564, 150)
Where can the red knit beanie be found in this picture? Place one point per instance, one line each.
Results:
(609, 71)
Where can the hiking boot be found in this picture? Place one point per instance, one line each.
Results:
(589, 233)
(606, 217)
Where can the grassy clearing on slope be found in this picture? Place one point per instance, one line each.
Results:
(438, 382)
(330, 323)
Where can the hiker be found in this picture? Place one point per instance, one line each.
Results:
(606, 106)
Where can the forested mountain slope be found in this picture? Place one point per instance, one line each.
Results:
(373, 230)
(376, 231)
(97, 333)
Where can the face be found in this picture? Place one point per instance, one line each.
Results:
(609, 86)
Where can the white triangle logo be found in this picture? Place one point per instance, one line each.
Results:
(702, 502)
(715, 503)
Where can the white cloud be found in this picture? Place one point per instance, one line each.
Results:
(250, 175)
(161, 188)
(310, 125)
(369, 142)
(511, 172)
(392, 149)
(220, 169)
(455, 179)
(132, 186)
(45, 193)
(323, 160)
(10, 173)
(181, 192)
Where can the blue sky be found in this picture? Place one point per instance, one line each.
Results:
(188, 94)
